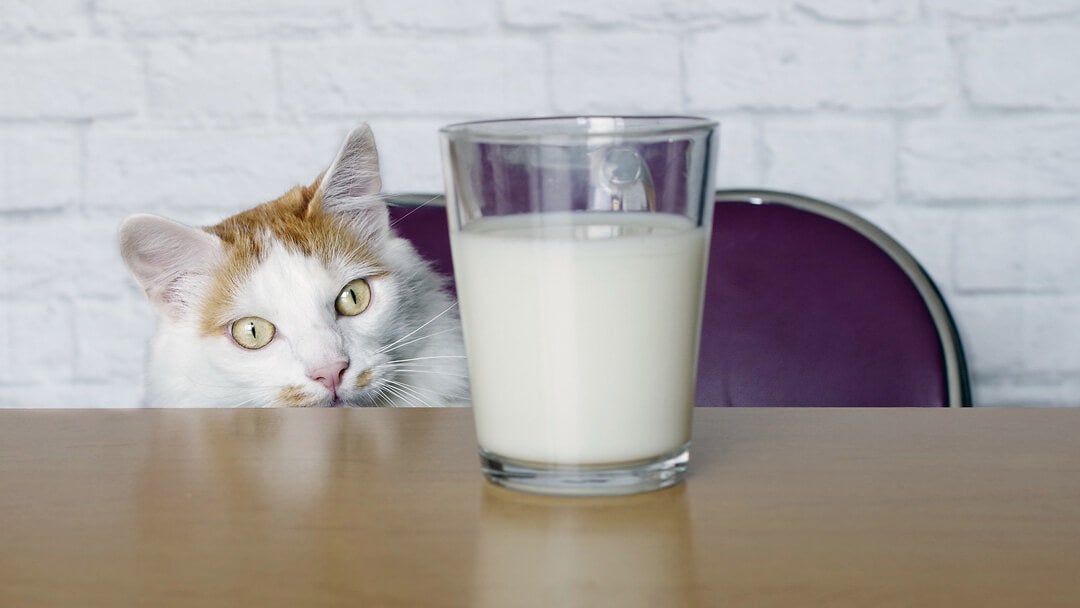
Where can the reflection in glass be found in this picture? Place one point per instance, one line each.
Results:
(551, 551)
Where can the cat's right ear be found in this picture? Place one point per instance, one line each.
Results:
(349, 189)
(171, 261)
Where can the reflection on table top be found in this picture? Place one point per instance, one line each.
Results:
(784, 507)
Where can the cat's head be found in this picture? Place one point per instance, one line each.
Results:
(297, 302)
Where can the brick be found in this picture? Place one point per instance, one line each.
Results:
(1028, 67)
(1002, 9)
(738, 163)
(474, 77)
(180, 171)
(7, 348)
(529, 13)
(425, 15)
(33, 257)
(112, 338)
(216, 84)
(1049, 344)
(69, 80)
(818, 67)
(1027, 390)
(1020, 335)
(616, 73)
(859, 12)
(1052, 254)
(47, 18)
(697, 13)
(409, 154)
(93, 257)
(990, 252)
(214, 19)
(39, 169)
(983, 160)
(117, 394)
(991, 329)
(848, 162)
(1018, 250)
(40, 340)
(63, 254)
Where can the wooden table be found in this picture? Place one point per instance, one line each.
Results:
(377, 507)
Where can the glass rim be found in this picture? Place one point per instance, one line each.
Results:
(572, 125)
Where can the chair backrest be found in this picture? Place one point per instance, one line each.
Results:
(806, 304)
(810, 304)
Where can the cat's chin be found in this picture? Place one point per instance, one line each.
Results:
(336, 400)
(354, 398)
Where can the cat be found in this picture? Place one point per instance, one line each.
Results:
(307, 300)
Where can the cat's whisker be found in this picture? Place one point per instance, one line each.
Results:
(427, 358)
(438, 333)
(434, 393)
(379, 399)
(401, 395)
(385, 397)
(418, 392)
(409, 389)
(374, 395)
(423, 364)
(430, 200)
(393, 371)
(430, 371)
(406, 336)
(373, 398)
(414, 401)
(389, 397)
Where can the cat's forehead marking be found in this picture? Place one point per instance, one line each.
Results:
(295, 222)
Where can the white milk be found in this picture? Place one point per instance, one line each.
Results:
(581, 333)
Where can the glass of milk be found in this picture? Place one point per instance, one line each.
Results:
(579, 247)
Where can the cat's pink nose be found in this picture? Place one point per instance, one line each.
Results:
(330, 375)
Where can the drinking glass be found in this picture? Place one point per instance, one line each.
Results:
(579, 248)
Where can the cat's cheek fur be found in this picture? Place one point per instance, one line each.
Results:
(190, 369)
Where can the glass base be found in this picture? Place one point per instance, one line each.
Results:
(587, 480)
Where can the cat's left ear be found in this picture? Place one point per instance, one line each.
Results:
(349, 189)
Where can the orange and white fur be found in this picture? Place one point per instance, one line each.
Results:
(308, 300)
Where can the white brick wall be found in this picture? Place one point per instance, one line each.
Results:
(818, 67)
(75, 80)
(632, 73)
(953, 124)
(983, 159)
(1023, 68)
(802, 157)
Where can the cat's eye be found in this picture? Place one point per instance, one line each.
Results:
(354, 298)
(252, 332)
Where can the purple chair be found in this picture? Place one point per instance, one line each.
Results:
(806, 304)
